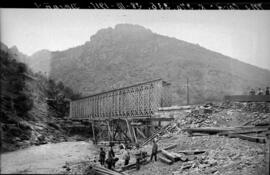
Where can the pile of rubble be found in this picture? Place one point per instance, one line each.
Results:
(262, 107)
(224, 156)
(221, 116)
(207, 154)
(200, 116)
(211, 155)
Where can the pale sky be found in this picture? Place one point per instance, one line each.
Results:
(242, 34)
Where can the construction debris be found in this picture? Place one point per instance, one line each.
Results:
(168, 155)
(156, 134)
(165, 160)
(192, 152)
(207, 130)
(249, 138)
(241, 151)
(223, 144)
(169, 147)
(105, 171)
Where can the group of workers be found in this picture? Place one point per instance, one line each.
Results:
(111, 159)
(260, 91)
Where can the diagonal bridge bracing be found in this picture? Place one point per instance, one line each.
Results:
(133, 103)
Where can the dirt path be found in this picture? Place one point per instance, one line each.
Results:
(47, 158)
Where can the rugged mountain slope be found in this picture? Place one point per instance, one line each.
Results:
(26, 118)
(16, 54)
(40, 61)
(128, 54)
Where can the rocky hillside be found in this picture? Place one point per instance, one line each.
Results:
(127, 54)
(40, 61)
(26, 117)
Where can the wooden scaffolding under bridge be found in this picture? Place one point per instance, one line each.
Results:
(123, 114)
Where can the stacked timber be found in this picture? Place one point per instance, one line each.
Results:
(250, 133)
(180, 156)
(208, 130)
(133, 165)
(105, 171)
(165, 160)
(192, 152)
(184, 156)
(169, 155)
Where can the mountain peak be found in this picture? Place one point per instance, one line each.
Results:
(120, 31)
(124, 27)
(14, 49)
(41, 52)
(3, 47)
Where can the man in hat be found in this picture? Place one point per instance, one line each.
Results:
(154, 150)
(138, 155)
(267, 91)
(110, 160)
(102, 156)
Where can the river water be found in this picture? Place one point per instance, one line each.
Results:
(48, 158)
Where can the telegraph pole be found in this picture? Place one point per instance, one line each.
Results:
(187, 92)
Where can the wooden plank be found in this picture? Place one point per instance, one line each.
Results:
(168, 155)
(133, 165)
(93, 132)
(245, 131)
(263, 124)
(267, 156)
(170, 147)
(165, 160)
(129, 130)
(191, 152)
(105, 171)
(140, 132)
(109, 130)
(249, 138)
(134, 134)
(181, 157)
(199, 134)
(136, 124)
(155, 134)
(213, 130)
(186, 165)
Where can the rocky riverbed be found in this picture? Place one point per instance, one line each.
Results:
(47, 158)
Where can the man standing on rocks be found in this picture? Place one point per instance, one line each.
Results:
(102, 156)
(154, 150)
(267, 91)
(110, 160)
(138, 154)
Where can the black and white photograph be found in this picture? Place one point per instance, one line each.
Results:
(135, 91)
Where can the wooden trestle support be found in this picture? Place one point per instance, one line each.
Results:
(123, 114)
(124, 130)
